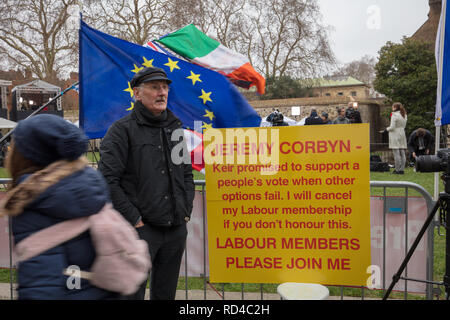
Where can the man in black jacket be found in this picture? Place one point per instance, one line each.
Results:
(352, 113)
(151, 190)
(420, 142)
(313, 118)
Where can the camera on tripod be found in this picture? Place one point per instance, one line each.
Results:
(436, 163)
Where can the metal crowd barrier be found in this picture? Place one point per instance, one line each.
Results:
(406, 186)
(430, 232)
(4, 184)
(200, 186)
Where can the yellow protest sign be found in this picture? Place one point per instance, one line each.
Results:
(288, 204)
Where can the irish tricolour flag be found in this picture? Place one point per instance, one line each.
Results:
(191, 43)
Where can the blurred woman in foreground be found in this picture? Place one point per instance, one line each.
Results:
(52, 183)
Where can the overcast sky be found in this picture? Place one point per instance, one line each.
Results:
(360, 27)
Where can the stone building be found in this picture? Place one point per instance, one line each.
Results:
(342, 86)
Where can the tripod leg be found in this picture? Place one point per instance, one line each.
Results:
(422, 231)
(447, 254)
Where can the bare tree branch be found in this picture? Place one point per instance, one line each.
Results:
(33, 35)
(288, 38)
(362, 69)
(279, 37)
(137, 21)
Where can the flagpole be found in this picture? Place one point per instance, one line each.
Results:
(40, 108)
(436, 174)
(440, 63)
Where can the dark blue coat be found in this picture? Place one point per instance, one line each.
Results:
(80, 194)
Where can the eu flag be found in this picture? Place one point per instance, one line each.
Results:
(196, 94)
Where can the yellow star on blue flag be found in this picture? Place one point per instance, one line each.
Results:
(206, 96)
(206, 126)
(194, 77)
(131, 107)
(209, 114)
(172, 64)
(147, 63)
(130, 90)
(136, 69)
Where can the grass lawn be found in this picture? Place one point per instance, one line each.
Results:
(3, 173)
(426, 180)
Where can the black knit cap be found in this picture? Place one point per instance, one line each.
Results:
(149, 74)
(46, 138)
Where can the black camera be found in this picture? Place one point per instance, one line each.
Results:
(276, 119)
(352, 115)
(434, 163)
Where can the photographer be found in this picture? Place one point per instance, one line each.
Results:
(420, 143)
(313, 118)
(325, 118)
(276, 119)
(352, 113)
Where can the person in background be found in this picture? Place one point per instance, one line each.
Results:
(352, 113)
(313, 118)
(51, 183)
(25, 105)
(341, 119)
(325, 118)
(420, 142)
(397, 136)
(276, 119)
(149, 187)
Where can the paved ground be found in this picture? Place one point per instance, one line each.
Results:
(5, 294)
